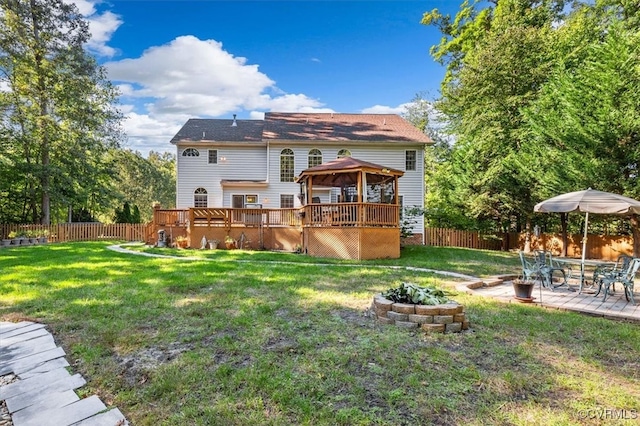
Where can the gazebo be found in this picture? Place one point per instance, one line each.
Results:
(364, 223)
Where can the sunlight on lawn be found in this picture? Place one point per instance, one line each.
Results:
(94, 302)
(189, 301)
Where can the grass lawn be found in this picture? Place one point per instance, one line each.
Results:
(244, 338)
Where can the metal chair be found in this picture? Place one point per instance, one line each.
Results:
(530, 270)
(626, 278)
(548, 269)
(622, 264)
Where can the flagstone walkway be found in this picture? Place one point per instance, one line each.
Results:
(43, 392)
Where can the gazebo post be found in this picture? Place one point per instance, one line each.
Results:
(395, 191)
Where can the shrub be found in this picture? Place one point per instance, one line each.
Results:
(412, 293)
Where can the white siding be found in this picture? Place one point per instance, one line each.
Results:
(234, 163)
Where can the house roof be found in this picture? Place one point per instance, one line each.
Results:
(219, 130)
(279, 126)
(340, 127)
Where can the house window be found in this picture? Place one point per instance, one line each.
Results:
(190, 152)
(240, 201)
(344, 153)
(286, 165)
(200, 198)
(315, 157)
(286, 201)
(410, 160)
(213, 156)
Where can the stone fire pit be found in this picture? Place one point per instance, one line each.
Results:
(445, 318)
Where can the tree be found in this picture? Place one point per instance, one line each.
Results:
(497, 59)
(145, 180)
(58, 117)
(590, 107)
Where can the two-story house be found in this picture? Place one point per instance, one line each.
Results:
(245, 163)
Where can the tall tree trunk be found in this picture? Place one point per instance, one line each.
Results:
(565, 239)
(527, 236)
(42, 125)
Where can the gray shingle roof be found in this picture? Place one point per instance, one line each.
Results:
(207, 130)
(303, 127)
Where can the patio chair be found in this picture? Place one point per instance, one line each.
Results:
(529, 269)
(626, 278)
(552, 274)
(622, 263)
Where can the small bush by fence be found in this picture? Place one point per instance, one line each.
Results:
(84, 231)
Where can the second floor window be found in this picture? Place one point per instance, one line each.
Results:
(410, 160)
(190, 152)
(286, 165)
(344, 153)
(213, 156)
(315, 157)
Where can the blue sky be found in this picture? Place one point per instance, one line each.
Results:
(175, 60)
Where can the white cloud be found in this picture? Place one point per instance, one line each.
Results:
(188, 78)
(102, 28)
(384, 109)
(144, 133)
(101, 25)
(199, 78)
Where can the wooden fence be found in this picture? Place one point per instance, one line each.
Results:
(443, 237)
(598, 246)
(84, 231)
(607, 247)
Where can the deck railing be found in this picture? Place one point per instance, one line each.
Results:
(170, 217)
(351, 214)
(331, 214)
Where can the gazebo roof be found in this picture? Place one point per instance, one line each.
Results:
(344, 171)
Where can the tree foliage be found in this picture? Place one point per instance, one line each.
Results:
(58, 115)
(541, 97)
(60, 155)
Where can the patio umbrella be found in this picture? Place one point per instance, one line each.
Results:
(589, 201)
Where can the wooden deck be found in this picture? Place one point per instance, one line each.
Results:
(337, 230)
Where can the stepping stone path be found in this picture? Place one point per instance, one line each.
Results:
(36, 388)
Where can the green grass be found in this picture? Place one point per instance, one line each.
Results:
(241, 338)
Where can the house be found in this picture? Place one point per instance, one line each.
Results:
(234, 163)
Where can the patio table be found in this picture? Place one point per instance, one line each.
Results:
(593, 263)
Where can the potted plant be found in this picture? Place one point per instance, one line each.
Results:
(230, 242)
(43, 235)
(13, 236)
(523, 290)
(32, 236)
(181, 241)
(213, 244)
